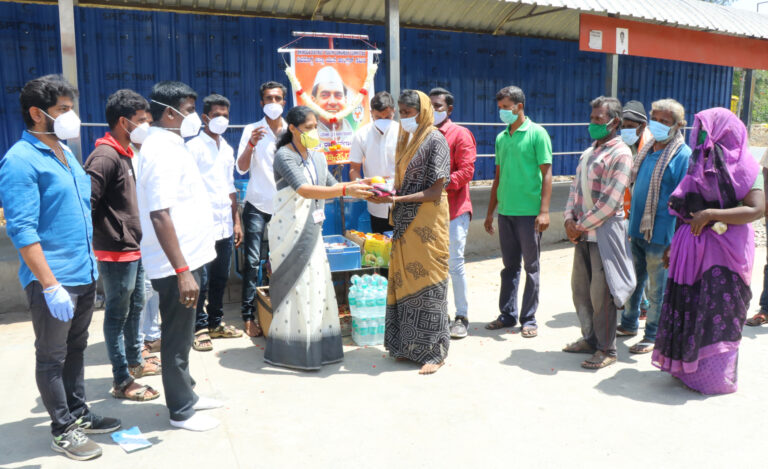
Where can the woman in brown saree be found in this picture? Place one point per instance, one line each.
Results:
(417, 310)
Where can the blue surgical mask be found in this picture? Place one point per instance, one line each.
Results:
(629, 136)
(508, 116)
(660, 132)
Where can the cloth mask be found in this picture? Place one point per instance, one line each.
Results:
(440, 116)
(409, 124)
(218, 125)
(65, 126)
(273, 110)
(190, 124)
(383, 124)
(598, 131)
(661, 133)
(629, 136)
(310, 139)
(508, 116)
(140, 133)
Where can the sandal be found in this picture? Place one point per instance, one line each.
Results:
(253, 329)
(621, 332)
(147, 355)
(153, 345)
(148, 368)
(224, 331)
(758, 319)
(143, 393)
(495, 325)
(599, 360)
(530, 332)
(580, 346)
(202, 341)
(642, 347)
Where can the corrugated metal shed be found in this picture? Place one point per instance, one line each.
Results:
(557, 19)
(233, 55)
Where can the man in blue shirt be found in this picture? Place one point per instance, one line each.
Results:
(657, 170)
(46, 195)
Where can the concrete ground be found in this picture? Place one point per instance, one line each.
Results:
(501, 401)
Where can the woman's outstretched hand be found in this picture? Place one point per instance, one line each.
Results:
(360, 191)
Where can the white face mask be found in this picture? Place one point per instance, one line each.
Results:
(273, 110)
(409, 124)
(383, 124)
(139, 133)
(440, 116)
(191, 123)
(218, 125)
(65, 126)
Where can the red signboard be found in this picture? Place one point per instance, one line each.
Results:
(616, 36)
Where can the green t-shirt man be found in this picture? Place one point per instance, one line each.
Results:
(518, 157)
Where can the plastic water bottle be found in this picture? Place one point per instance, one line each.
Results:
(355, 279)
(370, 303)
(367, 280)
(381, 301)
(352, 300)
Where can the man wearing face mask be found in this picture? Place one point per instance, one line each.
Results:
(522, 189)
(658, 169)
(46, 196)
(257, 155)
(603, 276)
(177, 242)
(216, 161)
(373, 149)
(463, 154)
(635, 133)
(116, 239)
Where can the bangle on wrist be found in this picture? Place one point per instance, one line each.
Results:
(182, 269)
(343, 190)
(250, 144)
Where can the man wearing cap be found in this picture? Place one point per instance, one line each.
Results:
(330, 93)
(658, 168)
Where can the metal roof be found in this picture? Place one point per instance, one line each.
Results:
(557, 19)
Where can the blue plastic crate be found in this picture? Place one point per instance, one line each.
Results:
(347, 258)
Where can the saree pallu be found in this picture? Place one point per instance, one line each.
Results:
(305, 332)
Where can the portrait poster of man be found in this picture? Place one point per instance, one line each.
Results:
(338, 86)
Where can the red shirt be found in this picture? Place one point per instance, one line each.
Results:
(463, 154)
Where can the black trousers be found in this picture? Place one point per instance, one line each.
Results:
(59, 349)
(177, 329)
(380, 225)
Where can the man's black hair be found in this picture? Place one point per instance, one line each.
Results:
(43, 92)
(270, 85)
(613, 105)
(442, 92)
(214, 100)
(514, 93)
(169, 93)
(124, 103)
(382, 101)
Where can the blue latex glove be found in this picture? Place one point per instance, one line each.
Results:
(59, 303)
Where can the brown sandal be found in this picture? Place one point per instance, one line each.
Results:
(642, 347)
(758, 319)
(225, 331)
(580, 346)
(148, 368)
(495, 325)
(529, 332)
(599, 360)
(202, 341)
(143, 393)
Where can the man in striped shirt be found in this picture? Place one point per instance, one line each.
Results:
(596, 196)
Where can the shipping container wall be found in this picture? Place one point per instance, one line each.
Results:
(233, 56)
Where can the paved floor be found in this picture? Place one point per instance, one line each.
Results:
(501, 401)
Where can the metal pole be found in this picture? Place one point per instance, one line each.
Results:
(393, 47)
(749, 91)
(69, 57)
(612, 75)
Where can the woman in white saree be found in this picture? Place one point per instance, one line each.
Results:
(304, 333)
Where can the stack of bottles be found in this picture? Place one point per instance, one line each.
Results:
(368, 304)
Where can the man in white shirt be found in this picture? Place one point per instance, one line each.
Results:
(373, 148)
(177, 226)
(215, 159)
(256, 154)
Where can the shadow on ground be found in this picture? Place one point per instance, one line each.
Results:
(648, 386)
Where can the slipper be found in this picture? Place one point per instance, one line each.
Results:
(224, 331)
(758, 319)
(599, 360)
(621, 332)
(642, 347)
(202, 341)
(142, 394)
(529, 332)
(495, 325)
(580, 346)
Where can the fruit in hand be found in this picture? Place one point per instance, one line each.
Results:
(377, 180)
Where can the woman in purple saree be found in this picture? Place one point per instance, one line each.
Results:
(707, 296)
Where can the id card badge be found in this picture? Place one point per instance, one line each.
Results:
(318, 215)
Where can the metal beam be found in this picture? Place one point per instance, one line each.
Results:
(532, 14)
(69, 57)
(746, 101)
(506, 18)
(393, 47)
(612, 75)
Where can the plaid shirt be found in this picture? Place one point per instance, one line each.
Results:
(608, 170)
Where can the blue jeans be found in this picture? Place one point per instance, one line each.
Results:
(213, 282)
(124, 300)
(458, 238)
(256, 247)
(649, 265)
